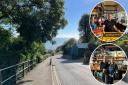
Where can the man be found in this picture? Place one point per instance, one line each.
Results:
(104, 68)
(109, 25)
(113, 68)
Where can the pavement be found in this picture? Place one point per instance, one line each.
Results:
(40, 75)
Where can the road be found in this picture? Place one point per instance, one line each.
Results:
(74, 73)
(69, 73)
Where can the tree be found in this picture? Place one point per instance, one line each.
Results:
(35, 19)
(5, 38)
(84, 28)
(67, 46)
(86, 36)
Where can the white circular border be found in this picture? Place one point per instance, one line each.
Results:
(126, 22)
(91, 60)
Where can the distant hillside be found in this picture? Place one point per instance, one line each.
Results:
(59, 42)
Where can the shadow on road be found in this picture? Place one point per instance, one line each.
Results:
(68, 59)
(22, 82)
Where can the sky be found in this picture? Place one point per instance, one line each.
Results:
(74, 9)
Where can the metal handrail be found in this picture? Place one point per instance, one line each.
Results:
(15, 65)
(15, 75)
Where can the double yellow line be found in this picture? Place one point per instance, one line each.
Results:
(55, 78)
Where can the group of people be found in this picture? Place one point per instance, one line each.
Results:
(108, 25)
(107, 70)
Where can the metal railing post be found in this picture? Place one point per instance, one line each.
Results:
(34, 62)
(0, 77)
(23, 69)
(28, 65)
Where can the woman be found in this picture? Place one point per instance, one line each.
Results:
(93, 23)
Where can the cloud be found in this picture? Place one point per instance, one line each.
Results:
(68, 35)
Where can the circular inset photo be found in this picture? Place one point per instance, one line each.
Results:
(108, 21)
(107, 64)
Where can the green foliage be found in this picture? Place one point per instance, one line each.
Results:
(84, 28)
(122, 40)
(67, 46)
(86, 58)
(86, 36)
(35, 19)
(69, 43)
(84, 22)
(5, 38)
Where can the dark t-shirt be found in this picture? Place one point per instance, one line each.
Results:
(109, 26)
(104, 66)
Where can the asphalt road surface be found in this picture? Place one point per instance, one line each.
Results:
(69, 73)
(75, 73)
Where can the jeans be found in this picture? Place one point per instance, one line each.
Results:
(105, 78)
